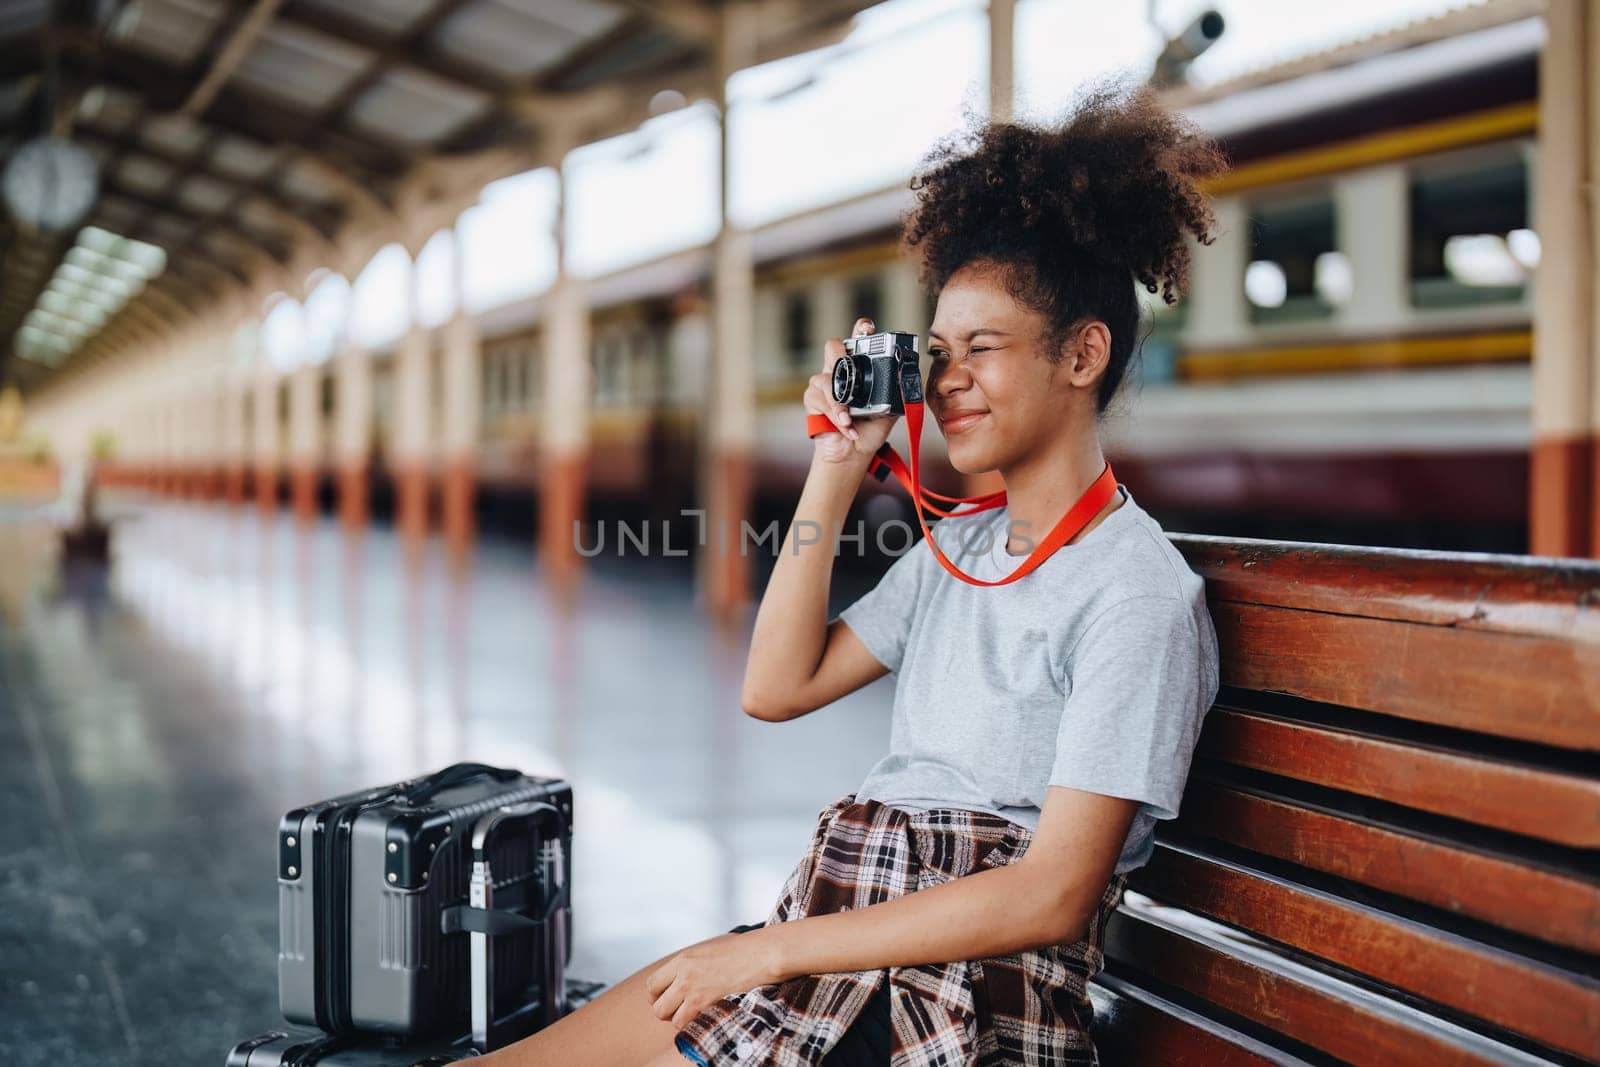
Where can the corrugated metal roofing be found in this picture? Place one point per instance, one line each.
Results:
(301, 66)
(415, 107)
(174, 30)
(387, 18)
(228, 131)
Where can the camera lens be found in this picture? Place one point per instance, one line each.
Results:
(844, 379)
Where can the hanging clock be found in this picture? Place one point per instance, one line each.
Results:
(50, 183)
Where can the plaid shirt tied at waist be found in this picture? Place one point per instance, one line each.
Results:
(1029, 1008)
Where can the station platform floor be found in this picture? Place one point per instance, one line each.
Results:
(158, 717)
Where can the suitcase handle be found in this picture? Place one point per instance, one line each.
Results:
(484, 919)
(454, 775)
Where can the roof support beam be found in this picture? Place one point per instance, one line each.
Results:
(232, 53)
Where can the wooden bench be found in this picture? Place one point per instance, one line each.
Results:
(1389, 847)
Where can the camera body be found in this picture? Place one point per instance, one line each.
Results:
(878, 374)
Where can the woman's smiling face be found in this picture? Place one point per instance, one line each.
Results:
(996, 397)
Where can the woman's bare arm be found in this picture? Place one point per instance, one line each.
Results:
(798, 662)
(1047, 897)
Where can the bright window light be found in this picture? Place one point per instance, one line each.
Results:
(1481, 259)
(380, 298)
(283, 333)
(1524, 246)
(1332, 278)
(326, 310)
(436, 279)
(1265, 284)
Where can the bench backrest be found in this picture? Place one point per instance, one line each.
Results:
(1389, 846)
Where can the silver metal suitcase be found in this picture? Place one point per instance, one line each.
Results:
(374, 891)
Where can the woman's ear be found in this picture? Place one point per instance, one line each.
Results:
(1087, 353)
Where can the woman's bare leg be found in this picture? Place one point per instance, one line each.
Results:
(615, 1029)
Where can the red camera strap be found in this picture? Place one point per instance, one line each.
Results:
(887, 461)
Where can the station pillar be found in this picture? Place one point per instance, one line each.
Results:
(564, 427)
(413, 373)
(352, 430)
(461, 353)
(239, 400)
(305, 446)
(1563, 509)
(728, 422)
(729, 426)
(265, 449)
(235, 449)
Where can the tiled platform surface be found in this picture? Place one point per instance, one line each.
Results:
(155, 722)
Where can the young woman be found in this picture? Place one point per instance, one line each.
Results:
(952, 909)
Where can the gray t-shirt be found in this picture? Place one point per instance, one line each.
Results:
(1094, 671)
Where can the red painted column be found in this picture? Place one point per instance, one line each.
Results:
(457, 503)
(354, 512)
(411, 493)
(563, 487)
(266, 487)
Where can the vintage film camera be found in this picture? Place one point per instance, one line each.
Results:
(879, 374)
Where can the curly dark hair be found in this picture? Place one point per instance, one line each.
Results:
(1074, 213)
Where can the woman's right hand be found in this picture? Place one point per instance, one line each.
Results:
(855, 439)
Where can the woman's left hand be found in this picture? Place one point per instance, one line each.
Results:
(705, 972)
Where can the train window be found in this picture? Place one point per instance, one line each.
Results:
(517, 369)
(645, 367)
(1293, 258)
(532, 375)
(488, 399)
(326, 397)
(866, 299)
(797, 329)
(1470, 241)
(607, 371)
(503, 397)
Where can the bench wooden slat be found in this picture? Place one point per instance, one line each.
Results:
(1545, 804)
(1535, 596)
(1134, 1027)
(1325, 1013)
(1552, 906)
(1384, 849)
(1554, 1007)
(1533, 688)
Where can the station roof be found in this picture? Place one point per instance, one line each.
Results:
(247, 140)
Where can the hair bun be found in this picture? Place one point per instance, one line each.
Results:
(1118, 180)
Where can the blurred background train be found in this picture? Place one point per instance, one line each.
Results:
(1350, 365)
